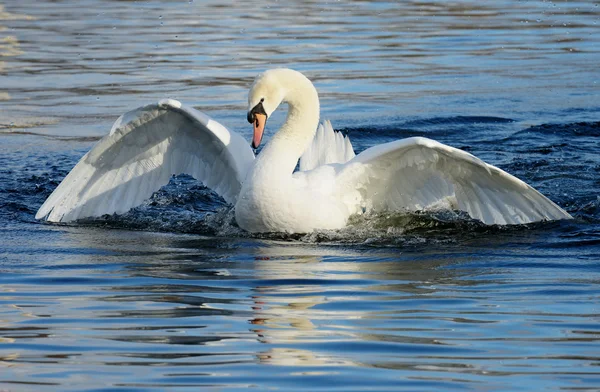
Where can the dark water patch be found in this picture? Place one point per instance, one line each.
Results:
(182, 299)
(572, 141)
(459, 129)
(173, 295)
(175, 340)
(177, 288)
(171, 313)
(458, 120)
(586, 129)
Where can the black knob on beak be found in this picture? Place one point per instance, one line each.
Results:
(257, 109)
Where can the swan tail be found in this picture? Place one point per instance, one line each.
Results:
(328, 146)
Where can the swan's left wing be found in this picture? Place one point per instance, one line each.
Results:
(420, 174)
(140, 154)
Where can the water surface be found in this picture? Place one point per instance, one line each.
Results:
(173, 296)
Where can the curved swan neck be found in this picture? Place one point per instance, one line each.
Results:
(294, 136)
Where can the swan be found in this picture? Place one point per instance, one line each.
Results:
(148, 145)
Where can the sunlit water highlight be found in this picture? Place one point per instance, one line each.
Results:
(174, 296)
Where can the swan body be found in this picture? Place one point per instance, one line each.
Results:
(148, 145)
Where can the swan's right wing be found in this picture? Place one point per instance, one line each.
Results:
(328, 146)
(144, 149)
(421, 174)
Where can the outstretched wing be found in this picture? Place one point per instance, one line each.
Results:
(144, 148)
(420, 174)
(327, 146)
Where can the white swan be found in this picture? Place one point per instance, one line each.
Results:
(146, 146)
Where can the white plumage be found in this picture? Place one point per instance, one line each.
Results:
(143, 150)
(326, 147)
(420, 174)
(148, 145)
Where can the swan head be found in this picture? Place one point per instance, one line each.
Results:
(266, 94)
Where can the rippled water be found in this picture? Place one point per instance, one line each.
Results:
(173, 296)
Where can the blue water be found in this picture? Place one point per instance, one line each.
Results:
(174, 296)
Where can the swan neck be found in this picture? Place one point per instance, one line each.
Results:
(293, 138)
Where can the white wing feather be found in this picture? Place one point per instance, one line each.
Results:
(420, 174)
(327, 147)
(143, 150)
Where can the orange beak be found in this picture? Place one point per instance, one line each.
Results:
(259, 127)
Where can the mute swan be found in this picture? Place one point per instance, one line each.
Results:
(146, 146)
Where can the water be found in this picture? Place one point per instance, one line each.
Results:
(173, 296)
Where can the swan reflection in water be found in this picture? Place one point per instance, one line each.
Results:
(305, 300)
(288, 293)
(286, 308)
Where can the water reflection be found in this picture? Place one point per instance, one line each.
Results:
(164, 302)
(283, 295)
(9, 45)
(442, 307)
